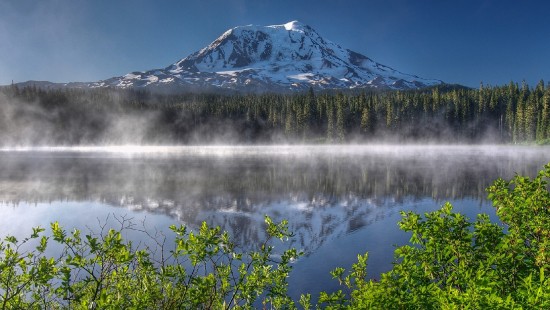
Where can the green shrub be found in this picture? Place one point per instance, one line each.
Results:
(455, 263)
(201, 270)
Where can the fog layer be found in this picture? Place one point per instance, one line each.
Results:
(509, 114)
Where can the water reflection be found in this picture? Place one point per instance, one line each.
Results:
(325, 192)
(340, 201)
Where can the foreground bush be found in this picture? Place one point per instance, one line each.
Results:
(451, 263)
(201, 270)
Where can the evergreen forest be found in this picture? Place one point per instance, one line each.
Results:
(445, 114)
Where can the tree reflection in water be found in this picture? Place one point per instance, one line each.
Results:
(324, 192)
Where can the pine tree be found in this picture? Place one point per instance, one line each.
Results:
(510, 113)
(530, 122)
(545, 114)
(289, 121)
(436, 99)
(519, 123)
(309, 112)
(389, 114)
(340, 121)
(365, 125)
(330, 120)
(481, 100)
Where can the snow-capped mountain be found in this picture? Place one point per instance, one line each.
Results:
(278, 58)
(285, 57)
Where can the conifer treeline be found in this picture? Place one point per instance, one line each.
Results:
(502, 114)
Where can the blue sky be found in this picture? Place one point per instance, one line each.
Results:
(463, 42)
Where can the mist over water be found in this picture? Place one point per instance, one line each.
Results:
(340, 200)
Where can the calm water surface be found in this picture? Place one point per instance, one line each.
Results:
(340, 200)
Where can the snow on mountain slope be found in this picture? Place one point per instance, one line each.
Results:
(287, 57)
(314, 221)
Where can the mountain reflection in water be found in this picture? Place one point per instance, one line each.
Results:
(326, 193)
(334, 188)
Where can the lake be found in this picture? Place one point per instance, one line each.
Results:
(340, 200)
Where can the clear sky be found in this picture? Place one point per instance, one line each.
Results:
(463, 42)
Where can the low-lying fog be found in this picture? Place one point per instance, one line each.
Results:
(405, 150)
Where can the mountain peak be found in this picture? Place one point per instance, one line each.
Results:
(286, 57)
(294, 25)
